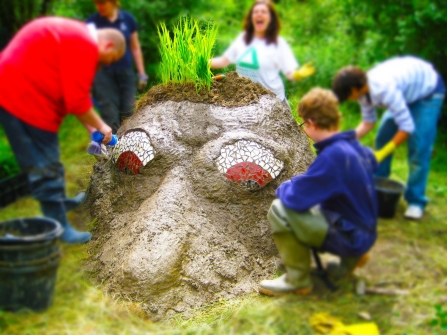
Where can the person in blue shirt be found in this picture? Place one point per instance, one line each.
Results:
(331, 207)
(412, 92)
(114, 88)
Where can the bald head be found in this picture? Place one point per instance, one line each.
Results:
(111, 45)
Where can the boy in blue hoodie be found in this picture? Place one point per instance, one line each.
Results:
(340, 181)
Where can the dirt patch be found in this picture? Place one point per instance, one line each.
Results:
(232, 91)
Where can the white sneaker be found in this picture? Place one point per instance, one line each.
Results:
(280, 286)
(414, 212)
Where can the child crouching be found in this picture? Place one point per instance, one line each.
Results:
(340, 181)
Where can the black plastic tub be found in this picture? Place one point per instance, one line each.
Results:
(29, 258)
(13, 188)
(388, 195)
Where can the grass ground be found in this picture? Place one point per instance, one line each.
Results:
(408, 255)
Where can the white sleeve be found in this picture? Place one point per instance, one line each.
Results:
(232, 52)
(384, 92)
(369, 113)
(287, 60)
(394, 100)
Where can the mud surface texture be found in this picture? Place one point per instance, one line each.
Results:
(233, 91)
(179, 234)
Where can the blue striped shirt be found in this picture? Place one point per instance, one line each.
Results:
(396, 83)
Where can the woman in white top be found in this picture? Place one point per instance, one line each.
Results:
(260, 54)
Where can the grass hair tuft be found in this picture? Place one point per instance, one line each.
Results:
(185, 52)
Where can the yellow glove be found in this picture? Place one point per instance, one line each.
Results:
(325, 324)
(386, 150)
(305, 71)
(369, 328)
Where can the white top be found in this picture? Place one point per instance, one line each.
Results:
(262, 63)
(396, 83)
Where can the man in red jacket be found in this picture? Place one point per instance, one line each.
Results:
(46, 72)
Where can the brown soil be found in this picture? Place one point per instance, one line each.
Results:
(232, 91)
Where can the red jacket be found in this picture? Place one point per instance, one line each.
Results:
(47, 70)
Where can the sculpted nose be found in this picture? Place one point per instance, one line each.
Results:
(149, 249)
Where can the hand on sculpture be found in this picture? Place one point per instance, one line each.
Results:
(385, 151)
(303, 72)
(107, 132)
(142, 81)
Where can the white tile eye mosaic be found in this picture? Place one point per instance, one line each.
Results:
(249, 163)
(133, 151)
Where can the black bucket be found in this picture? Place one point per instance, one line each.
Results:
(29, 258)
(13, 188)
(388, 195)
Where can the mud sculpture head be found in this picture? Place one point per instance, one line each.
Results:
(181, 205)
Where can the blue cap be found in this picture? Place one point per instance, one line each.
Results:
(113, 141)
(98, 137)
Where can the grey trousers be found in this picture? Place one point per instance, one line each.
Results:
(309, 228)
(114, 91)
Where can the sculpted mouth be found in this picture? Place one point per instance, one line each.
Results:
(248, 163)
(133, 152)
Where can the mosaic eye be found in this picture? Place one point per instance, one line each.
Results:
(133, 151)
(248, 163)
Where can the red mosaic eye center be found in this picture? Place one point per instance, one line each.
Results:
(129, 161)
(248, 171)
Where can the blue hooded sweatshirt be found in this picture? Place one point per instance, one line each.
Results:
(341, 181)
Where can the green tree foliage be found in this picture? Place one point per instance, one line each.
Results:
(15, 13)
(387, 28)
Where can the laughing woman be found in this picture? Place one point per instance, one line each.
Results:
(260, 54)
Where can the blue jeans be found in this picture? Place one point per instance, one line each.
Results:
(37, 153)
(425, 114)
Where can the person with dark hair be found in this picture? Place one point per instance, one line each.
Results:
(412, 92)
(46, 72)
(331, 207)
(115, 86)
(261, 54)
(347, 78)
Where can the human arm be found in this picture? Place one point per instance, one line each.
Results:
(364, 128)
(368, 123)
(89, 128)
(303, 72)
(387, 149)
(230, 55)
(289, 65)
(401, 136)
(394, 100)
(137, 55)
(317, 184)
(91, 119)
(219, 62)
